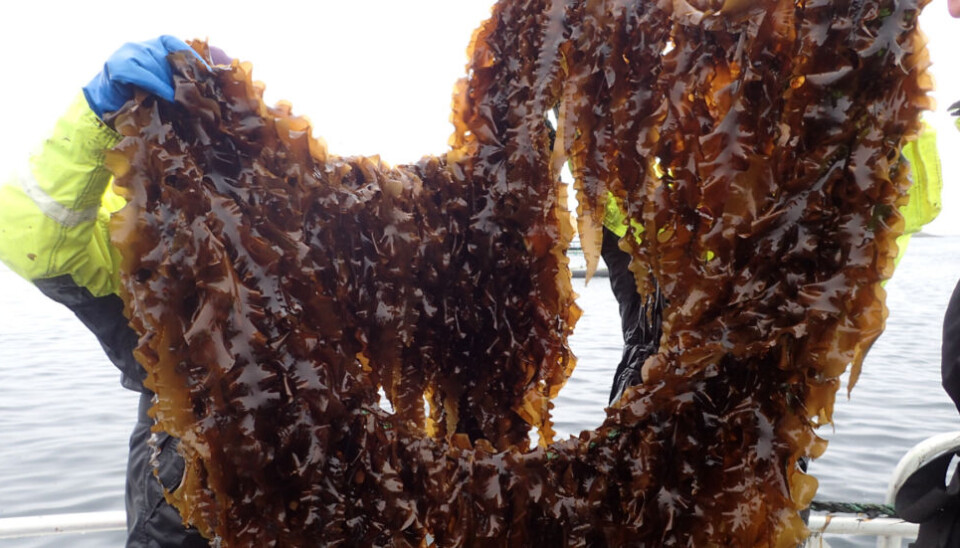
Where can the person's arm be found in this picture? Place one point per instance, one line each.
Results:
(927, 181)
(54, 214)
(53, 231)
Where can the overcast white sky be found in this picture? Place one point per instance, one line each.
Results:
(374, 76)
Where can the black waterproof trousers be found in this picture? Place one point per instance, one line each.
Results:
(640, 318)
(151, 521)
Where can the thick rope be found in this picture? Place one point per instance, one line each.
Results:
(871, 510)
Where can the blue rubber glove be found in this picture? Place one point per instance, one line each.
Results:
(141, 64)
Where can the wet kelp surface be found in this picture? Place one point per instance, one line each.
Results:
(278, 287)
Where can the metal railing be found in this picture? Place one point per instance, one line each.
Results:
(890, 531)
(57, 524)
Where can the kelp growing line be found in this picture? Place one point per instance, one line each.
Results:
(277, 287)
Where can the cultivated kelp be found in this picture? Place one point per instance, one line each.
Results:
(277, 287)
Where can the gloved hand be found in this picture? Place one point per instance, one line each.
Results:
(136, 64)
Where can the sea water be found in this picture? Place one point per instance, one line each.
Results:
(65, 420)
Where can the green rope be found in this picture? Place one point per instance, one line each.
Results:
(871, 510)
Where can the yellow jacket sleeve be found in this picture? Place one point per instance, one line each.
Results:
(614, 218)
(54, 215)
(925, 203)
